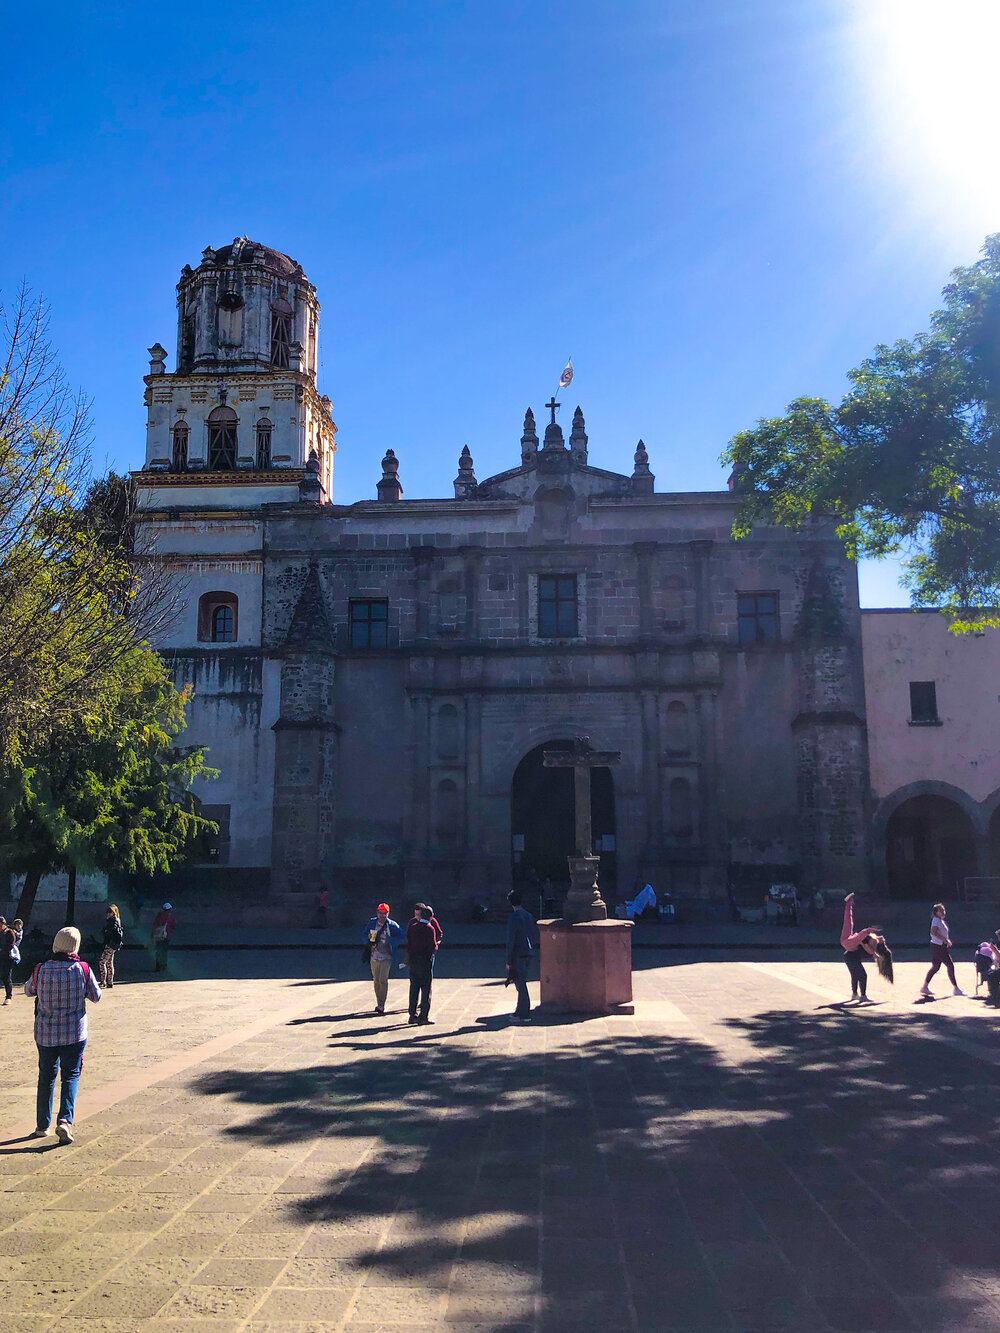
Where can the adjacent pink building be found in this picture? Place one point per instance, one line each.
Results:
(933, 703)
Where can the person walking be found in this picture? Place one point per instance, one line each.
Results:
(522, 944)
(113, 938)
(858, 947)
(161, 933)
(382, 935)
(421, 946)
(940, 952)
(8, 957)
(61, 986)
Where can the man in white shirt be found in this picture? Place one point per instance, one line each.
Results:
(940, 951)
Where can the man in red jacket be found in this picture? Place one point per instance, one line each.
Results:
(421, 946)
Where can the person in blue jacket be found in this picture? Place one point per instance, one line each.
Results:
(522, 944)
(382, 934)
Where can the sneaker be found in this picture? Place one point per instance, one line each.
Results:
(424, 1021)
(64, 1131)
(7, 1001)
(413, 1019)
(380, 1011)
(926, 990)
(39, 1134)
(958, 991)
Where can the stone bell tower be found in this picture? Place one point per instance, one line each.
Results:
(242, 405)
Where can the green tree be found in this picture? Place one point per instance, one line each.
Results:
(71, 599)
(110, 790)
(908, 462)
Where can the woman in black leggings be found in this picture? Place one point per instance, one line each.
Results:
(858, 946)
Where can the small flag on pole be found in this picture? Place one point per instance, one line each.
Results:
(566, 378)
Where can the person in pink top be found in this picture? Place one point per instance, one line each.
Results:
(860, 945)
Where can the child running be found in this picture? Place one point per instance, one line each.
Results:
(860, 945)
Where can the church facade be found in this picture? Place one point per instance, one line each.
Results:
(376, 680)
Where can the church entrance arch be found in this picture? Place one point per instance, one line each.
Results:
(543, 824)
(930, 848)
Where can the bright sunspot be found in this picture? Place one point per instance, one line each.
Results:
(930, 67)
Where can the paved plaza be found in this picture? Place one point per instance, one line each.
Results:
(260, 1153)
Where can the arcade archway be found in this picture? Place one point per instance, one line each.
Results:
(543, 821)
(930, 848)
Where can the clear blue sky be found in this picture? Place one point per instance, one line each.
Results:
(712, 205)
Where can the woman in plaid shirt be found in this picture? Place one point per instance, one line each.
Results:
(62, 986)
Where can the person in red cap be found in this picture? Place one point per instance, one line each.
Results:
(382, 934)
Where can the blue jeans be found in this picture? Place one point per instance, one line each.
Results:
(519, 972)
(68, 1061)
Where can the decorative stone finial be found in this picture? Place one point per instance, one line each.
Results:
(642, 478)
(157, 357)
(529, 440)
(310, 487)
(553, 431)
(389, 488)
(465, 482)
(578, 438)
(208, 255)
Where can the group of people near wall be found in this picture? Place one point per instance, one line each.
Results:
(422, 939)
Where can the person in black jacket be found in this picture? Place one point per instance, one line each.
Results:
(7, 943)
(113, 936)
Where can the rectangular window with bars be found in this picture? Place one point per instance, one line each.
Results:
(369, 624)
(923, 702)
(757, 617)
(558, 612)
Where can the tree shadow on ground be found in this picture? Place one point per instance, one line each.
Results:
(814, 1171)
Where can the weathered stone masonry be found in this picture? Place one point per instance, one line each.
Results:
(389, 768)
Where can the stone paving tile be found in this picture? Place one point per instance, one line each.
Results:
(293, 1304)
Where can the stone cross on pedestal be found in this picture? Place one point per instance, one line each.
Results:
(583, 902)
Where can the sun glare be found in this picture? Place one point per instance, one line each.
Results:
(931, 68)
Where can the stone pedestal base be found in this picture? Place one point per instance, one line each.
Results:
(586, 966)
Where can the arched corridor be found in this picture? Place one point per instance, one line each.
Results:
(930, 848)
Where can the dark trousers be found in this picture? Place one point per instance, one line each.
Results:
(6, 968)
(162, 948)
(67, 1061)
(519, 975)
(941, 956)
(993, 982)
(421, 976)
(859, 977)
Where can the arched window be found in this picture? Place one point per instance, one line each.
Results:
(447, 731)
(446, 823)
(678, 728)
(218, 617)
(222, 423)
(681, 808)
(179, 447)
(281, 333)
(264, 428)
(222, 624)
(230, 319)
